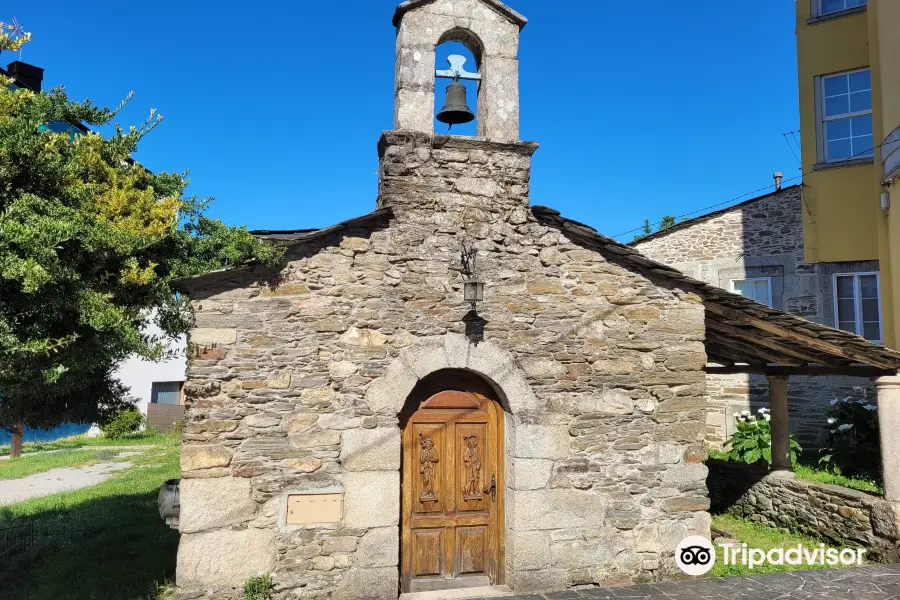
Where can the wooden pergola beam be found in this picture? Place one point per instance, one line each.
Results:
(713, 357)
(748, 352)
(770, 343)
(811, 371)
(805, 339)
(713, 349)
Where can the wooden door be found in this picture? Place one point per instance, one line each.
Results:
(452, 529)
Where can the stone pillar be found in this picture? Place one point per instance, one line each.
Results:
(889, 424)
(781, 431)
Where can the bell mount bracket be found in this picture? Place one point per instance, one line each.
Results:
(457, 70)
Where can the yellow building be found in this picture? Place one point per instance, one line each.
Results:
(849, 75)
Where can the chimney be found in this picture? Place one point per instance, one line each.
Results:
(26, 75)
(778, 177)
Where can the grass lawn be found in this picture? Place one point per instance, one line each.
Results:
(765, 538)
(809, 472)
(80, 441)
(101, 542)
(38, 463)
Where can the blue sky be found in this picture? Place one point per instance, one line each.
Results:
(642, 109)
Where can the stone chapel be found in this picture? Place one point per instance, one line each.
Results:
(359, 428)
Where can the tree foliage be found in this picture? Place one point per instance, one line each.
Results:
(12, 36)
(646, 229)
(852, 444)
(90, 243)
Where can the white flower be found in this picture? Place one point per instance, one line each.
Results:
(831, 421)
(736, 415)
(763, 411)
(768, 417)
(845, 427)
(745, 412)
(870, 407)
(835, 401)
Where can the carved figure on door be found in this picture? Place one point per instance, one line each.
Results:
(472, 461)
(427, 459)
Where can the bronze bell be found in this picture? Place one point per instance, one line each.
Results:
(456, 110)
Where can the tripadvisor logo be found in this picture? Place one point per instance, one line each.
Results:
(695, 555)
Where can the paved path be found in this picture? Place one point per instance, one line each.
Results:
(880, 582)
(56, 480)
(76, 448)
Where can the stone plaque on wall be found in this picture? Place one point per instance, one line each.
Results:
(306, 509)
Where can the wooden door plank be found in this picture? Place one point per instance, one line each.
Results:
(449, 500)
(463, 520)
(406, 511)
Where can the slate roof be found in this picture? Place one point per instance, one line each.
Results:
(740, 330)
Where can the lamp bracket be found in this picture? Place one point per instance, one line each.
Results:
(468, 257)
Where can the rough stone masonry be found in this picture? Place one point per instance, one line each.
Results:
(762, 237)
(298, 375)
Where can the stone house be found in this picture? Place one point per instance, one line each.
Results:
(361, 424)
(755, 248)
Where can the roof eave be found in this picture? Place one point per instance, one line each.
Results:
(514, 16)
(181, 283)
(705, 217)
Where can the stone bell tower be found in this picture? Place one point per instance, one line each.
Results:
(490, 30)
(419, 169)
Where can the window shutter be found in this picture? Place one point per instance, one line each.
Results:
(166, 392)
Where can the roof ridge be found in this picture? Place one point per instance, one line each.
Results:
(700, 218)
(500, 7)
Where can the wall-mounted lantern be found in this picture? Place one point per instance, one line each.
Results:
(473, 288)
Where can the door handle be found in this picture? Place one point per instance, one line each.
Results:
(493, 488)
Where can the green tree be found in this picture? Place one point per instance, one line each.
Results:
(667, 221)
(12, 36)
(90, 242)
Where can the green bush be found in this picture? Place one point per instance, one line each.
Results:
(851, 447)
(752, 439)
(259, 588)
(125, 422)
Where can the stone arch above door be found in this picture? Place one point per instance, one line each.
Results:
(387, 394)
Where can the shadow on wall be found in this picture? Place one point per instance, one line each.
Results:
(728, 482)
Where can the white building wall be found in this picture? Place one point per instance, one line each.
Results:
(139, 374)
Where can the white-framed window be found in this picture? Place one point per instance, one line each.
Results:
(857, 304)
(845, 116)
(827, 7)
(755, 288)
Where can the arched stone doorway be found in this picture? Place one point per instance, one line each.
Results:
(452, 484)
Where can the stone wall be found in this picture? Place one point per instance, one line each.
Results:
(840, 514)
(298, 375)
(761, 238)
(809, 400)
(771, 226)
